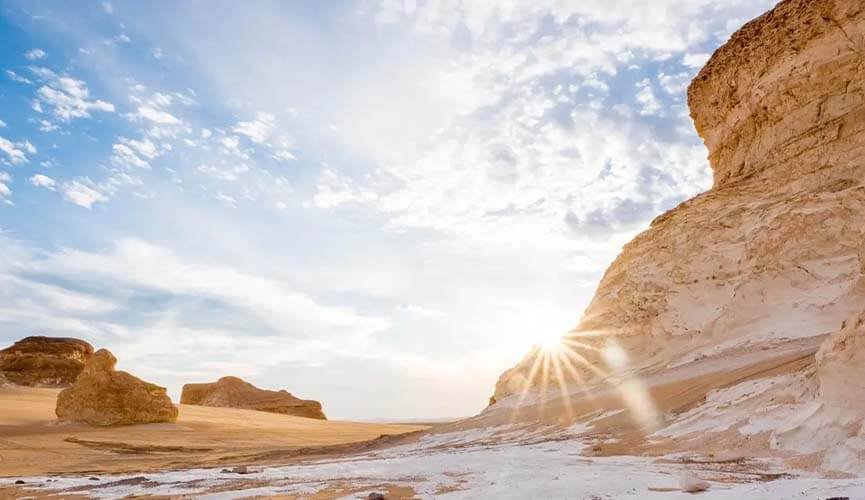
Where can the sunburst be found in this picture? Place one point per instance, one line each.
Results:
(567, 361)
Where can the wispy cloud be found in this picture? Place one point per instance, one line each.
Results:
(66, 97)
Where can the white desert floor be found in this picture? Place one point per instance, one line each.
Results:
(468, 465)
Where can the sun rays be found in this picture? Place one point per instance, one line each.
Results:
(580, 360)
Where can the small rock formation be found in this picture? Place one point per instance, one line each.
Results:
(690, 483)
(44, 361)
(103, 396)
(232, 392)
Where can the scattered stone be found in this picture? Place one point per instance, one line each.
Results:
(44, 361)
(690, 483)
(232, 392)
(20, 481)
(93, 478)
(103, 396)
(375, 496)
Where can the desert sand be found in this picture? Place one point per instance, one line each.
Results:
(32, 442)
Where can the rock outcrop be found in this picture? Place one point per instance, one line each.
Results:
(841, 366)
(776, 249)
(232, 392)
(44, 361)
(104, 396)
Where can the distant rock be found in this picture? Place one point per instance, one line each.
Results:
(232, 392)
(103, 396)
(44, 361)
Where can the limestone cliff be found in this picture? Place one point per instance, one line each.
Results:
(232, 392)
(776, 249)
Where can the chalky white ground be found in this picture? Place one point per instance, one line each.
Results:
(487, 463)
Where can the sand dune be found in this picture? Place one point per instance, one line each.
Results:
(32, 442)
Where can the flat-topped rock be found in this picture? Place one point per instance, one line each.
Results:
(232, 392)
(104, 396)
(44, 361)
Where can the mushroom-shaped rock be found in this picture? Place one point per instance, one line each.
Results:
(103, 396)
(232, 392)
(44, 361)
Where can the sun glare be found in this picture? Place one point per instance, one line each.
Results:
(569, 360)
(550, 341)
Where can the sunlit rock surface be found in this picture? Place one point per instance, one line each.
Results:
(232, 392)
(104, 396)
(44, 361)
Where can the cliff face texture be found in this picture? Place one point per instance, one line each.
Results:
(44, 361)
(232, 392)
(776, 249)
(104, 396)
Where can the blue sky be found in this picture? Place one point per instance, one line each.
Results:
(380, 205)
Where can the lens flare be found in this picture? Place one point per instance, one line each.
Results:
(570, 360)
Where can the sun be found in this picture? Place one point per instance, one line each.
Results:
(550, 340)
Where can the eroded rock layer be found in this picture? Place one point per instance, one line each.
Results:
(776, 249)
(104, 396)
(232, 392)
(44, 361)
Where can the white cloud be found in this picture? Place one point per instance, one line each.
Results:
(157, 116)
(258, 130)
(5, 191)
(15, 77)
(226, 199)
(81, 193)
(66, 97)
(334, 190)
(646, 97)
(16, 152)
(107, 7)
(46, 126)
(2, 124)
(40, 180)
(676, 84)
(695, 60)
(35, 54)
(423, 311)
(123, 155)
(157, 53)
(134, 262)
(122, 38)
(284, 155)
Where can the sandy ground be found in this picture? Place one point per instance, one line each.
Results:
(32, 442)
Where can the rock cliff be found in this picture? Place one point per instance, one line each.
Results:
(775, 251)
(44, 361)
(232, 392)
(104, 396)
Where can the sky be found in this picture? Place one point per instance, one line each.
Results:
(381, 205)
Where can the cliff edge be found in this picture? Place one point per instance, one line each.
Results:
(773, 255)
